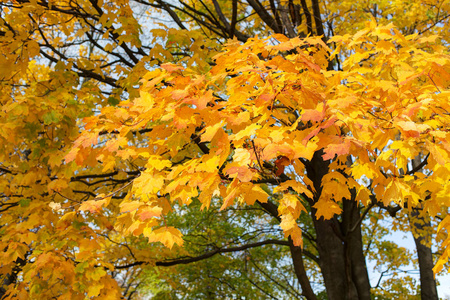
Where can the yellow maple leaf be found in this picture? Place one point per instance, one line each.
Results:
(393, 193)
(149, 183)
(251, 193)
(168, 236)
(210, 131)
(363, 195)
(326, 208)
(242, 156)
(441, 156)
(246, 132)
(209, 164)
(297, 186)
(57, 185)
(290, 228)
(93, 206)
(274, 150)
(290, 204)
(130, 206)
(157, 162)
(360, 170)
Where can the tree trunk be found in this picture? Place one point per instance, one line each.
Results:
(333, 262)
(339, 243)
(421, 231)
(354, 246)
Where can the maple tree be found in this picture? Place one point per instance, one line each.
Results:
(119, 132)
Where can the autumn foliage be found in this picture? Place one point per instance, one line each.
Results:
(103, 151)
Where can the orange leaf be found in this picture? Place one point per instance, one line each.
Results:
(93, 206)
(244, 174)
(171, 67)
(280, 164)
(149, 212)
(312, 115)
(336, 149)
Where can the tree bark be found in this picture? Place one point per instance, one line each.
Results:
(339, 243)
(333, 261)
(354, 246)
(420, 228)
(421, 231)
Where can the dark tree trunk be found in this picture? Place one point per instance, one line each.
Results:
(421, 231)
(420, 228)
(354, 247)
(333, 261)
(339, 243)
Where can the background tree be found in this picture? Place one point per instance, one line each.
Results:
(66, 224)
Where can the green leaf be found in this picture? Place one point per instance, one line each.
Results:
(81, 266)
(72, 101)
(113, 101)
(31, 129)
(77, 224)
(24, 202)
(51, 117)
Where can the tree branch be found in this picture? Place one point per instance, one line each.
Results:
(233, 19)
(188, 260)
(308, 16)
(264, 15)
(317, 18)
(419, 166)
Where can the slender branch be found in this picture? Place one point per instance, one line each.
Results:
(188, 260)
(275, 13)
(222, 17)
(172, 14)
(308, 16)
(8, 206)
(317, 18)
(220, 250)
(293, 292)
(259, 288)
(89, 176)
(419, 166)
(264, 15)
(7, 171)
(372, 204)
